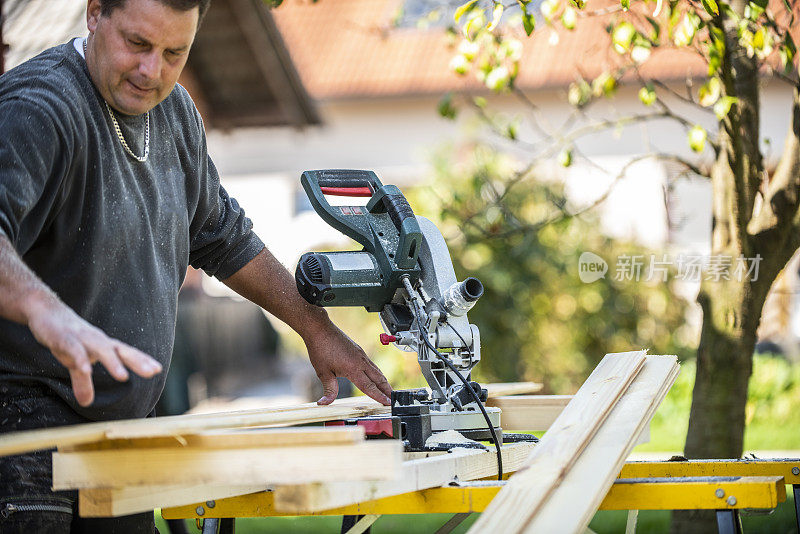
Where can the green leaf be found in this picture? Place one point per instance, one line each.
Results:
(460, 64)
(565, 157)
(723, 106)
(686, 30)
(529, 23)
(498, 79)
(580, 4)
(446, 108)
(497, 14)
(626, 4)
(569, 18)
(787, 53)
(605, 84)
(710, 92)
(579, 93)
(622, 37)
(656, 29)
(697, 138)
(479, 101)
(647, 94)
(711, 7)
(474, 25)
(549, 9)
(512, 130)
(463, 8)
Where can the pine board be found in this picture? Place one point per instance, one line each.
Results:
(573, 503)
(373, 460)
(529, 412)
(465, 464)
(514, 506)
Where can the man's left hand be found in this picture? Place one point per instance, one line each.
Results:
(335, 355)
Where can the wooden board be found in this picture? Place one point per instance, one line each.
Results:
(373, 460)
(512, 388)
(233, 439)
(555, 454)
(115, 502)
(465, 464)
(573, 503)
(184, 425)
(529, 412)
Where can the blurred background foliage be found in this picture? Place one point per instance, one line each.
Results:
(772, 416)
(538, 320)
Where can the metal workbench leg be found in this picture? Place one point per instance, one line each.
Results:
(362, 524)
(796, 491)
(452, 523)
(728, 522)
(630, 525)
(349, 521)
(214, 525)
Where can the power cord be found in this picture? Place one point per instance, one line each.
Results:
(490, 426)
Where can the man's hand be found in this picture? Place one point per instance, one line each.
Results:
(76, 344)
(335, 355)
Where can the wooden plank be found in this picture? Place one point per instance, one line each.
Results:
(373, 460)
(557, 451)
(282, 416)
(232, 439)
(573, 503)
(499, 389)
(115, 502)
(465, 464)
(529, 412)
(182, 425)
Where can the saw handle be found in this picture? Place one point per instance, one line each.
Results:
(346, 191)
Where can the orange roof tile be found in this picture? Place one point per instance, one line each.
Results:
(348, 48)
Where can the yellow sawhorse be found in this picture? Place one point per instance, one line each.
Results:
(722, 485)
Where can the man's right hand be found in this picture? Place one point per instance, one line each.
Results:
(76, 344)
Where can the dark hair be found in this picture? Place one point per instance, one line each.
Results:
(107, 6)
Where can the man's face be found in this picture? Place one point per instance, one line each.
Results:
(136, 54)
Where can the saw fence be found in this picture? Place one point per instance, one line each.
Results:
(237, 464)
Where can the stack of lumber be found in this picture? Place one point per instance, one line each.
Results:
(564, 480)
(124, 467)
(120, 477)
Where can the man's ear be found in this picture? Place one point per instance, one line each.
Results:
(93, 14)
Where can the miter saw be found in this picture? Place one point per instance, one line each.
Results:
(404, 273)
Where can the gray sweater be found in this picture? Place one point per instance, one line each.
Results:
(110, 235)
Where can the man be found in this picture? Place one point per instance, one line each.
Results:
(106, 195)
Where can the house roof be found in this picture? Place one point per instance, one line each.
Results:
(348, 49)
(239, 71)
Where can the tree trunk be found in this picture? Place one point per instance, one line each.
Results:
(724, 365)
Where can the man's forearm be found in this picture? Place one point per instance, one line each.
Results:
(76, 344)
(267, 283)
(21, 291)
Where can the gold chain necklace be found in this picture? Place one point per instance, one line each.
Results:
(117, 129)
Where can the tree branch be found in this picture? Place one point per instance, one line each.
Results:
(781, 210)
